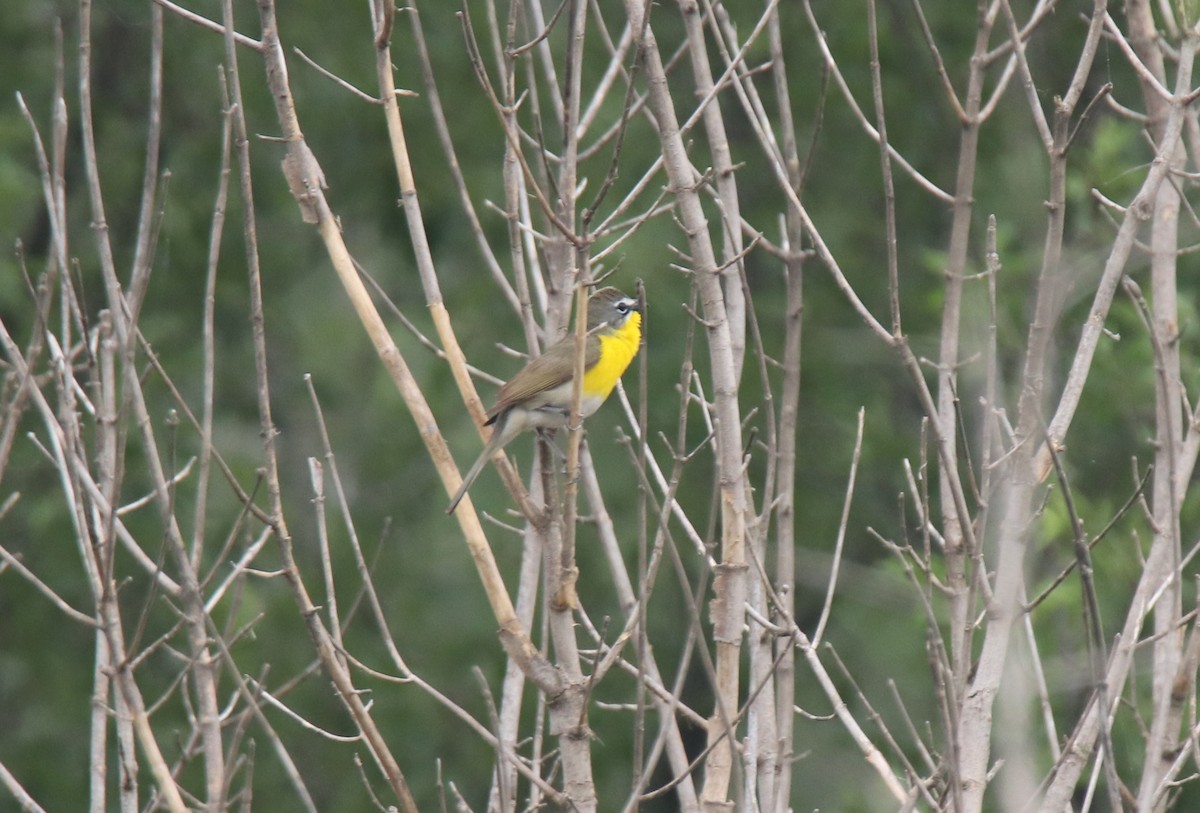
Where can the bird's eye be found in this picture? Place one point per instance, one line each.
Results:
(623, 307)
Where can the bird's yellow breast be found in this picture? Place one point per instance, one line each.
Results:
(617, 349)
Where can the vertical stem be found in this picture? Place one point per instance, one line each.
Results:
(208, 331)
(642, 648)
(726, 182)
(789, 407)
(975, 726)
(143, 257)
(1160, 560)
(569, 713)
(98, 740)
(958, 558)
(1164, 238)
(111, 616)
(513, 686)
(729, 585)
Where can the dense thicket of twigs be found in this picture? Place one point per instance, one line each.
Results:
(892, 512)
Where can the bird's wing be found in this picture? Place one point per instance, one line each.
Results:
(549, 370)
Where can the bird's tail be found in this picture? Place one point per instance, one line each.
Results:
(493, 445)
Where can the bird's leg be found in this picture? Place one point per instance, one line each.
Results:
(549, 436)
(580, 461)
(547, 451)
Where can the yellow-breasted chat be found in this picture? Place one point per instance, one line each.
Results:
(539, 396)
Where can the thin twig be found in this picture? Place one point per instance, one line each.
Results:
(843, 523)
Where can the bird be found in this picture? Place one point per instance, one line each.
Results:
(539, 396)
